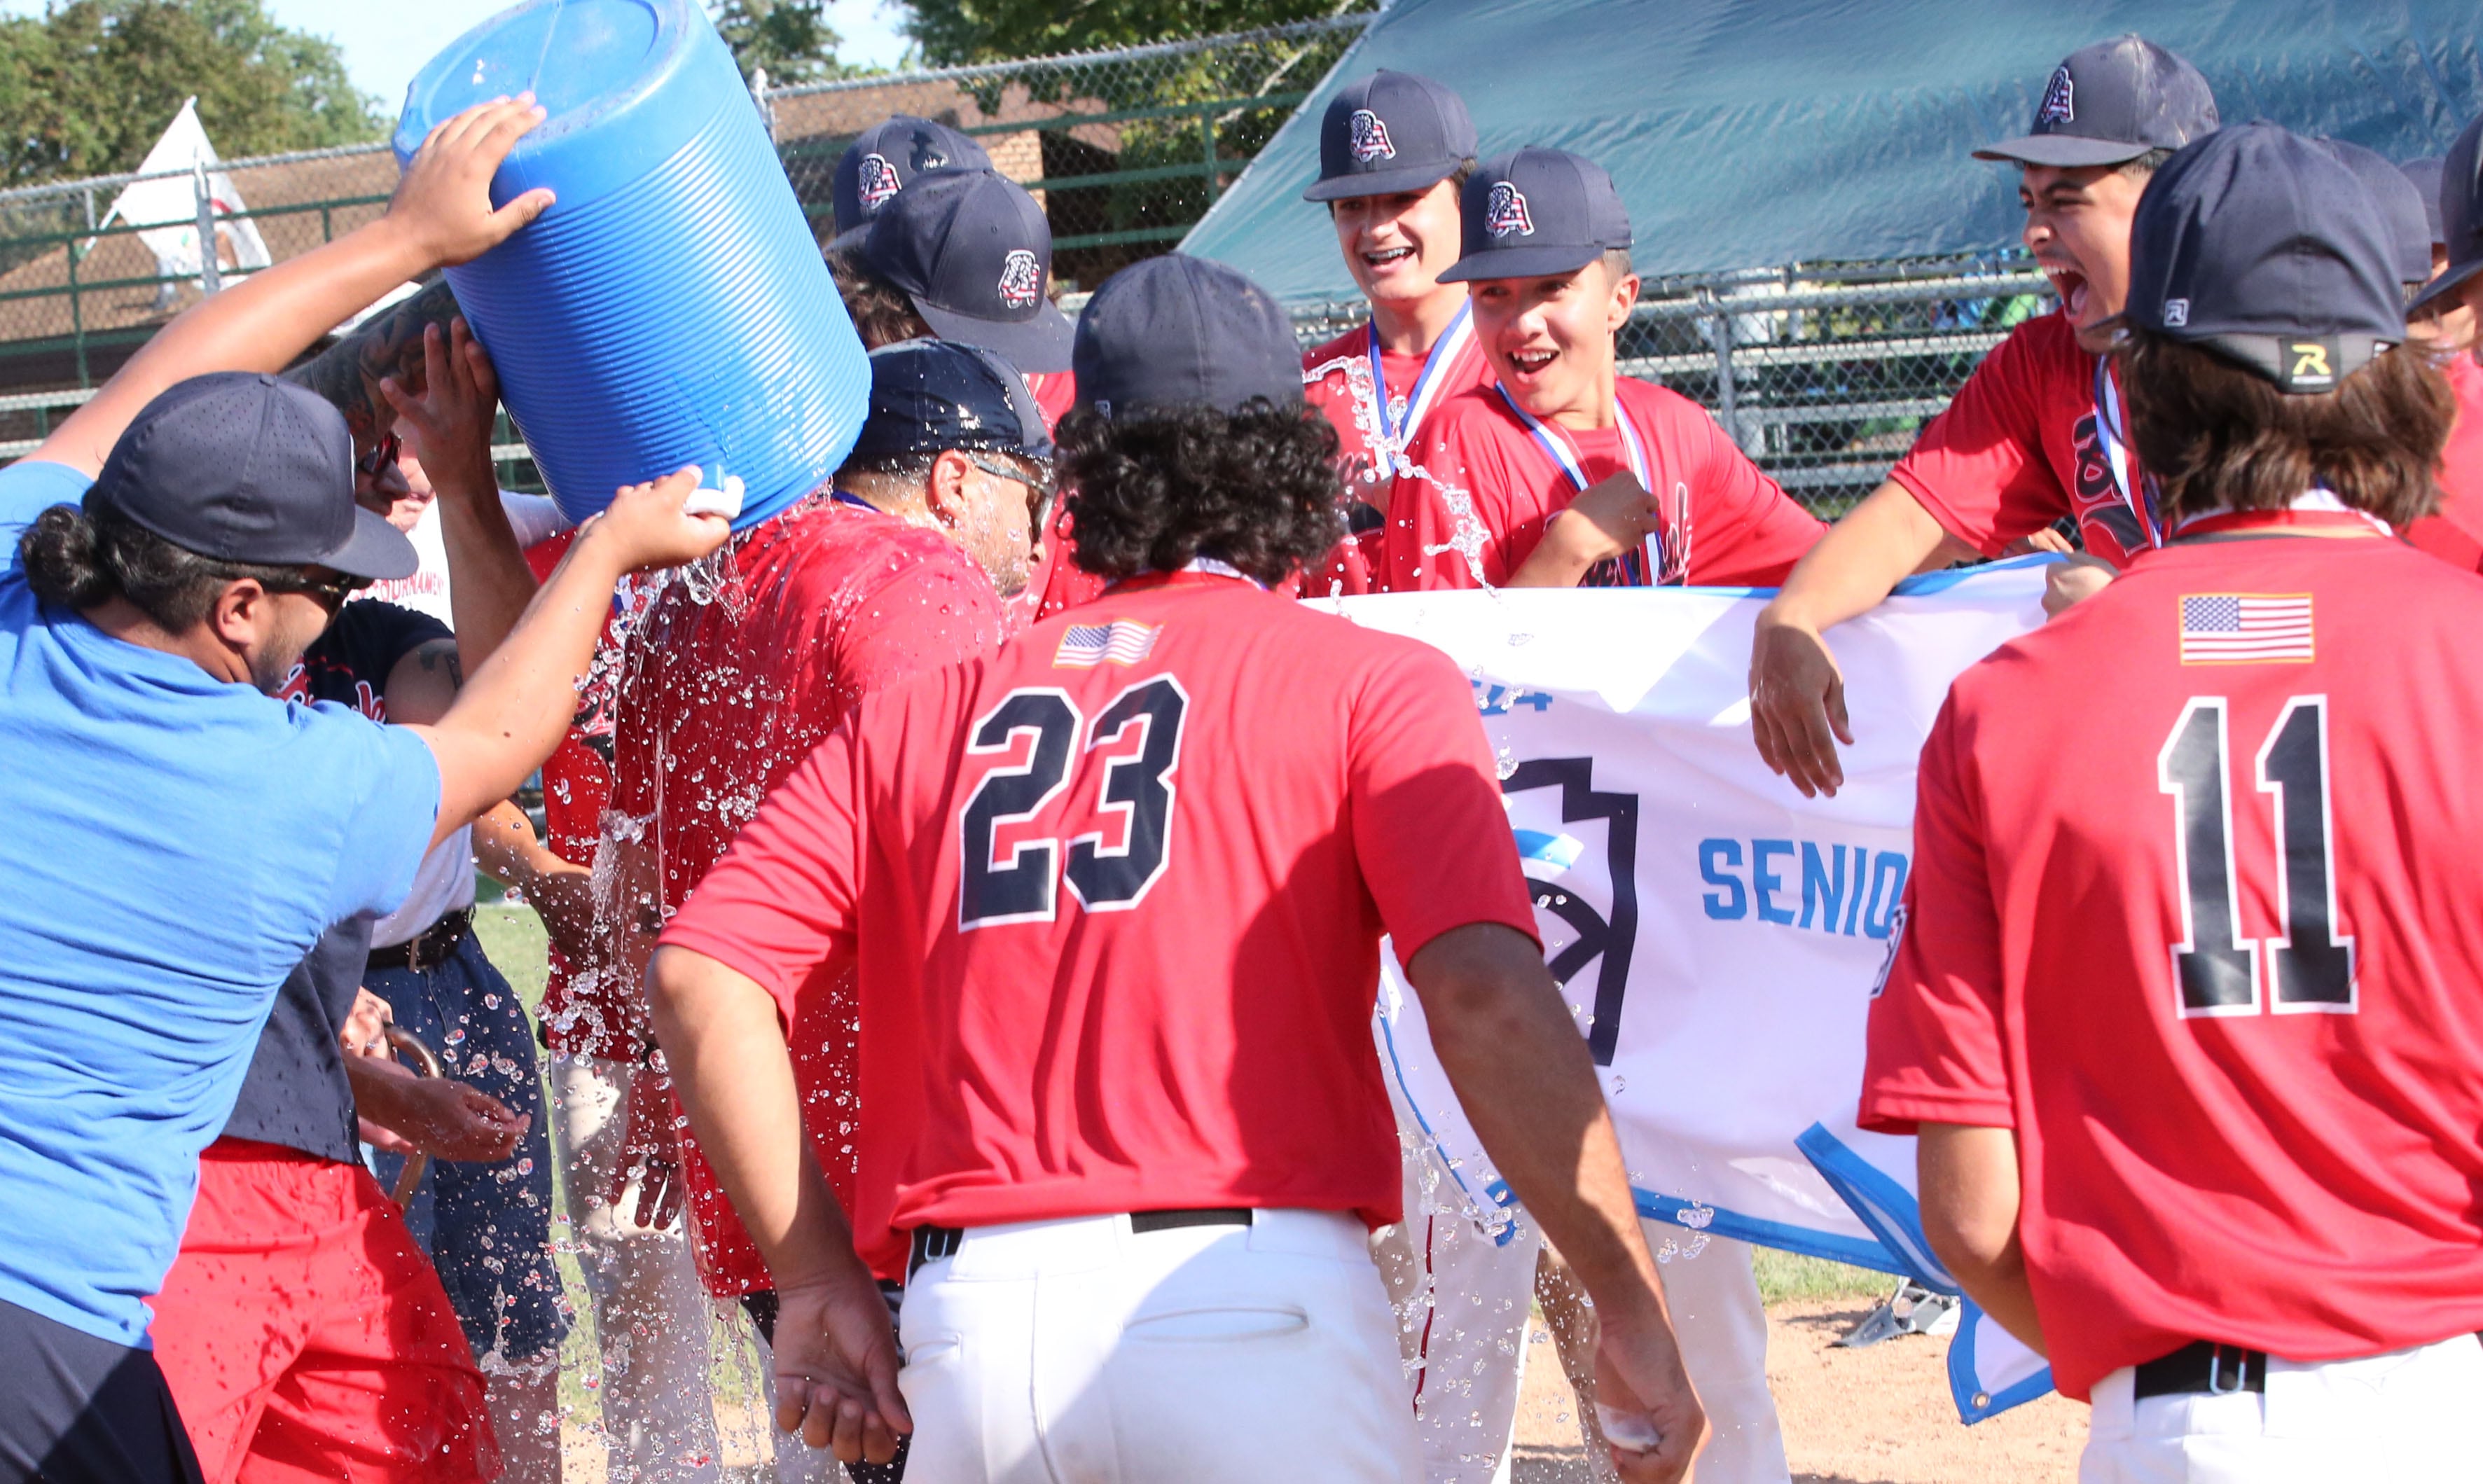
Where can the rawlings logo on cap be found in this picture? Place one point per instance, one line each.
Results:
(1021, 280)
(1505, 213)
(2176, 313)
(1368, 136)
(875, 182)
(2060, 99)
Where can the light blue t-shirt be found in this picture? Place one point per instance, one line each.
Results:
(171, 845)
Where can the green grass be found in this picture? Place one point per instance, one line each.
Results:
(1785, 1275)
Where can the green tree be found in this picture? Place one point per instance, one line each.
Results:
(790, 39)
(955, 32)
(88, 86)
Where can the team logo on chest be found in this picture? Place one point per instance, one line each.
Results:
(2060, 100)
(876, 183)
(1368, 136)
(1505, 213)
(1021, 280)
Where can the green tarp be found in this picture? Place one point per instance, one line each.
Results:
(1756, 132)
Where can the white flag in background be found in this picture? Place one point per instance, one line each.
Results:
(166, 208)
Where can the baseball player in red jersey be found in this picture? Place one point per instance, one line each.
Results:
(1504, 484)
(732, 678)
(1395, 151)
(2037, 433)
(2184, 1006)
(1113, 896)
(2442, 319)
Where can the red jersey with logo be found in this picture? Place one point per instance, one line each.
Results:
(2456, 533)
(1115, 893)
(732, 677)
(2211, 951)
(2019, 447)
(1482, 485)
(1337, 380)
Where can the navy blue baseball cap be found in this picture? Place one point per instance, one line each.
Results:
(974, 251)
(886, 159)
(1390, 132)
(2109, 103)
(1538, 212)
(929, 396)
(1177, 331)
(2424, 176)
(2257, 244)
(2461, 217)
(244, 467)
(2399, 203)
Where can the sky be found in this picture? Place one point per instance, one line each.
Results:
(386, 42)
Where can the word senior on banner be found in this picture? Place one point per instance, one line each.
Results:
(1802, 885)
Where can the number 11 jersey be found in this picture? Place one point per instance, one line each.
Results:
(2197, 910)
(1115, 892)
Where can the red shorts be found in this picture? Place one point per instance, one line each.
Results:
(307, 1338)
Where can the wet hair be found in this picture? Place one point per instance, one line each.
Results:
(344, 373)
(882, 313)
(2218, 437)
(1259, 489)
(80, 556)
(2145, 164)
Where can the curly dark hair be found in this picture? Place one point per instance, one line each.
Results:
(2217, 435)
(1259, 487)
(78, 557)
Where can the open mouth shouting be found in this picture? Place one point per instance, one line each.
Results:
(2071, 286)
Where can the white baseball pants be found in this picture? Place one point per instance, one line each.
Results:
(1077, 1352)
(651, 1313)
(2409, 1417)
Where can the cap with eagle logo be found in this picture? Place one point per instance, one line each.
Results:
(1389, 132)
(884, 158)
(2109, 103)
(1538, 212)
(2261, 246)
(973, 250)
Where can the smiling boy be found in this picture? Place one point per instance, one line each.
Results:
(1395, 151)
(1504, 484)
(2038, 431)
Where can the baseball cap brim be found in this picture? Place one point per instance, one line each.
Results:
(1042, 343)
(1531, 261)
(2062, 152)
(1381, 182)
(2448, 284)
(376, 549)
(850, 240)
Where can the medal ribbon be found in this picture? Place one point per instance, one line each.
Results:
(1636, 566)
(2115, 452)
(1445, 352)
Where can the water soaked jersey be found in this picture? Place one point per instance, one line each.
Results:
(1116, 893)
(2212, 949)
(1377, 406)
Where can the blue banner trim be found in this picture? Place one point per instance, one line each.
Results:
(1886, 1208)
(1973, 1403)
(1758, 1231)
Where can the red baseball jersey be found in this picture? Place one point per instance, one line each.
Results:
(1377, 401)
(2456, 533)
(1116, 893)
(2212, 952)
(729, 688)
(1483, 484)
(2021, 446)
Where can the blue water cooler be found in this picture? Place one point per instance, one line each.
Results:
(671, 307)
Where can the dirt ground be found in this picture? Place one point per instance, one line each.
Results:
(1880, 1415)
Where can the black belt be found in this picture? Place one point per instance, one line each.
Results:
(429, 948)
(932, 1243)
(2201, 1366)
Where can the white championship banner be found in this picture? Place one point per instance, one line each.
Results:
(1716, 934)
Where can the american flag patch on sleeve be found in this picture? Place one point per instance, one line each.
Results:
(1121, 642)
(2246, 628)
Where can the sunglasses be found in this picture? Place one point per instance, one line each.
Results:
(1037, 478)
(331, 592)
(383, 453)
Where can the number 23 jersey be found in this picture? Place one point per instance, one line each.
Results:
(2197, 910)
(1116, 893)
